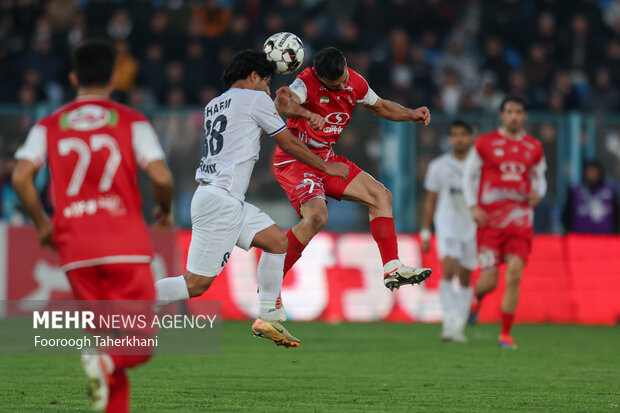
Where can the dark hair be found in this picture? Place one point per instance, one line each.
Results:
(246, 62)
(93, 62)
(329, 63)
(461, 124)
(514, 98)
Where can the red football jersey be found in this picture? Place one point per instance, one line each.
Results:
(508, 168)
(336, 106)
(93, 147)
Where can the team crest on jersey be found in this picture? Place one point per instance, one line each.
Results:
(324, 99)
(88, 117)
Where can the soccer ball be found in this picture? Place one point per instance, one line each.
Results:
(287, 50)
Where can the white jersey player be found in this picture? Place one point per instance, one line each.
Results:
(221, 219)
(455, 230)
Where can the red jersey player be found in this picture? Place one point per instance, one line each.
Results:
(511, 165)
(320, 107)
(94, 147)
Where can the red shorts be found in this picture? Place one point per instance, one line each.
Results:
(303, 183)
(495, 243)
(124, 281)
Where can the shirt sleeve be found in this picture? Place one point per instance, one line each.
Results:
(146, 146)
(473, 164)
(432, 180)
(370, 98)
(537, 176)
(34, 148)
(265, 114)
(299, 88)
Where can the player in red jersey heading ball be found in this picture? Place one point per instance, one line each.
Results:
(94, 147)
(512, 167)
(320, 107)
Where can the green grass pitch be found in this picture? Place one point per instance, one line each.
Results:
(352, 367)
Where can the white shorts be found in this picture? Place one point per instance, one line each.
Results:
(219, 222)
(463, 251)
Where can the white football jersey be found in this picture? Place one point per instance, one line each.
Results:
(234, 123)
(452, 218)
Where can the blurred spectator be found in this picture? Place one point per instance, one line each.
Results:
(562, 86)
(495, 60)
(489, 98)
(592, 207)
(214, 18)
(433, 15)
(126, 67)
(451, 92)
(580, 49)
(547, 35)
(603, 97)
(537, 68)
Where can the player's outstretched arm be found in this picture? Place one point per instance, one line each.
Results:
(289, 105)
(430, 202)
(295, 148)
(389, 110)
(23, 184)
(163, 188)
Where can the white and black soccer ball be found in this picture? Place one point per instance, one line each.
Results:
(286, 50)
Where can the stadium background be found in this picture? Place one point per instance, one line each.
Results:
(459, 58)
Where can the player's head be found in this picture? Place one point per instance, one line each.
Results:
(93, 64)
(251, 69)
(513, 113)
(461, 137)
(331, 68)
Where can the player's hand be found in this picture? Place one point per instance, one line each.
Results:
(421, 115)
(163, 221)
(534, 198)
(426, 245)
(45, 236)
(479, 215)
(337, 169)
(283, 96)
(316, 121)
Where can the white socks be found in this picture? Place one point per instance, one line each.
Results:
(171, 289)
(463, 296)
(270, 274)
(390, 266)
(446, 298)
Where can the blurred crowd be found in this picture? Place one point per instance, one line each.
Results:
(454, 55)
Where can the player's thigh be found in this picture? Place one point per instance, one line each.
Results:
(259, 230)
(490, 248)
(300, 182)
(518, 244)
(469, 254)
(358, 187)
(449, 252)
(127, 281)
(365, 190)
(86, 284)
(216, 224)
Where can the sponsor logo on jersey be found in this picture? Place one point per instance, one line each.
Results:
(333, 129)
(88, 117)
(512, 171)
(337, 118)
(324, 99)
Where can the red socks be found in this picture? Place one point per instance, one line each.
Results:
(118, 401)
(384, 234)
(293, 253)
(507, 320)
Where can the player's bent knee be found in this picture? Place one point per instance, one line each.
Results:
(382, 198)
(318, 219)
(197, 284)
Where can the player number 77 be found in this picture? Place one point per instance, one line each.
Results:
(97, 142)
